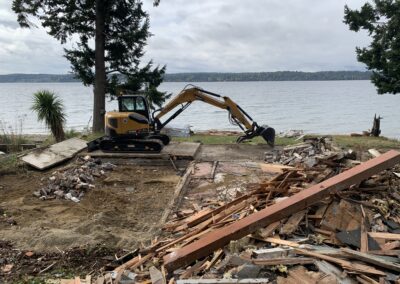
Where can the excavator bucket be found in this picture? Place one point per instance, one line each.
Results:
(268, 133)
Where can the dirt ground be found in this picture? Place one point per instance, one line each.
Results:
(121, 212)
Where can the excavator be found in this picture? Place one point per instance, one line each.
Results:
(133, 128)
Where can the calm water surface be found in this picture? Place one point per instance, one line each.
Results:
(316, 107)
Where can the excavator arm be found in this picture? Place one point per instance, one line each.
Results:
(237, 115)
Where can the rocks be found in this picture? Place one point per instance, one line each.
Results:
(72, 183)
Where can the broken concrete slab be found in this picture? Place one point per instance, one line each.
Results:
(178, 150)
(55, 154)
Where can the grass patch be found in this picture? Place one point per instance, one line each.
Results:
(9, 164)
(12, 136)
(230, 139)
(345, 141)
(366, 142)
(91, 136)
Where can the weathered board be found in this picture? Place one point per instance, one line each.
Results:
(57, 153)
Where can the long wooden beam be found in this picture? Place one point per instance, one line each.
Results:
(221, 237)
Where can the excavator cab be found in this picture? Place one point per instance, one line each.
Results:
(134, 103)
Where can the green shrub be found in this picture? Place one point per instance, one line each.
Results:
(50, 109)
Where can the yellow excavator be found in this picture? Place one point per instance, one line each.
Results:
(134, 129)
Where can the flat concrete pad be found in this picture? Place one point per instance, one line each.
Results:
(233, 152)
(180, 150)
(45, 158)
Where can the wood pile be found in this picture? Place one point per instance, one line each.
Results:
(310, 153)
(73, 181)
(349, 236)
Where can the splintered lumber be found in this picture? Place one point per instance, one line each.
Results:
(274, 168)
(293, 222)
(375, 260)
(221, 237)
(156, 276)
(284, 261)
(357, 267)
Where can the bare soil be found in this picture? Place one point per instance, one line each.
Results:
(121, 212)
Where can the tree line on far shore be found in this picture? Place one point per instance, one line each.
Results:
(208, 77)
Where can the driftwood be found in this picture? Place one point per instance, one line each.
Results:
(376, 126)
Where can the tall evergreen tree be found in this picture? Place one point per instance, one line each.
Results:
(381, 20)
(109, 38)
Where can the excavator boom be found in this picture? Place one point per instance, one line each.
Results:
(237, 115)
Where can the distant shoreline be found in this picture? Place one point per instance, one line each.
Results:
(209, 77)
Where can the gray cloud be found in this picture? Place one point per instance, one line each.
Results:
(213, 35)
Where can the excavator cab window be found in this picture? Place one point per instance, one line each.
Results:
(136, 104)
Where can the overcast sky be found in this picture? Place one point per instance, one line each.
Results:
(213, 35)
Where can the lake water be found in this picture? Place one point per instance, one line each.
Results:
(326, 107)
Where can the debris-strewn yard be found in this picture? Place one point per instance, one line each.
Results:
(280, 221)
(308, 212)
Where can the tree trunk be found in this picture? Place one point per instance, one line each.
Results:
(100, 69)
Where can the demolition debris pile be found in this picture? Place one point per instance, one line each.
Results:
(319, 224)
(72, 182)
(310, 153)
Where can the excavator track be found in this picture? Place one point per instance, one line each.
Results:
(131, 145)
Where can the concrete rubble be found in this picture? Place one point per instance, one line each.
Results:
(72, 183)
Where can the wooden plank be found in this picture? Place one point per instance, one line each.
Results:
(177, 193)
(293, 223)
(42, 159)
(284, 261)
(282, 242)
(385, 252)
(267, 232)
(361, 268)
(386, 236)
(375, 260)
(273, 168)
(391, 245)
(329, 269)
(364, 235)
(156, 276)
(220, 237)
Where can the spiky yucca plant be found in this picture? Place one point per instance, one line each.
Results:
(50, 109)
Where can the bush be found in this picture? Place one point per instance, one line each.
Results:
(50, 110)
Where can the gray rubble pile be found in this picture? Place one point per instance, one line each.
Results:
(72, 183)
(309, 153)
